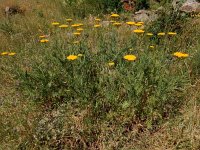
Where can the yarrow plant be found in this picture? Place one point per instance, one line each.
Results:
(95, 67)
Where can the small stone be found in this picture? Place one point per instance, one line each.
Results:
(190, 6)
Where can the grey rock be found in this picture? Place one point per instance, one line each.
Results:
(145, 16)
(190, 6)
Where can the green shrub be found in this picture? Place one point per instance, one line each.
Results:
(86, 7)
(147, 87)
(196, 63)
(142, 4)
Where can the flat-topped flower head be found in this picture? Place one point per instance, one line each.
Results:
(80, 24)
(131, 23)
(150, 34)
(111, 64)
(97, 19)
(55, 23)
(172, 33)
(130, 57)
(141, 22)
(77, 25)
(138, 31)
(42, 36)
(69, 20)
(117, 24)
(11, 54)
(161, 34)
(4, 53)
(63, 26)
(72, 57)
(138, 24)
(80, 29)
(152, 46)
(115, 15)
(44, 41)
(180, 55)
(97, 26)
(77, 33)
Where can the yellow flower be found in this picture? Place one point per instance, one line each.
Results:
(76, 33)
(115, 15)
(72, 57)
(4, 53)
(150, 34)
(151, 46)
(97, 25)
(97, 19)
(180, 55)
(161, 33)
(75, 25)
(80, 55)
(138, 24)
(63, 26)
(172, 33)
(69, 20)
(130, 57)
(138, 31)
(55, 23)
(42, 36)
(44, 41)
(130, 23)
(111, 63)
(80, 24)
(117, 24)
(80, 29)
(11, 54)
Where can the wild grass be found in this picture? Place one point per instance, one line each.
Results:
(49, 102)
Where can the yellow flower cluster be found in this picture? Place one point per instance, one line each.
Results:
(80, 29)
(97, 19)
(117, 24)
(77, 33)
(8, 53)
(180, 55)
(130, 57)
(55, 23)
(131, 23)
(63, 26)
(97, 26)
(77, 25)
(42, 36)
(44, 41)
(138, 31)
(111, 64)
(115, 15)
(74, 57)
(69, 20)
